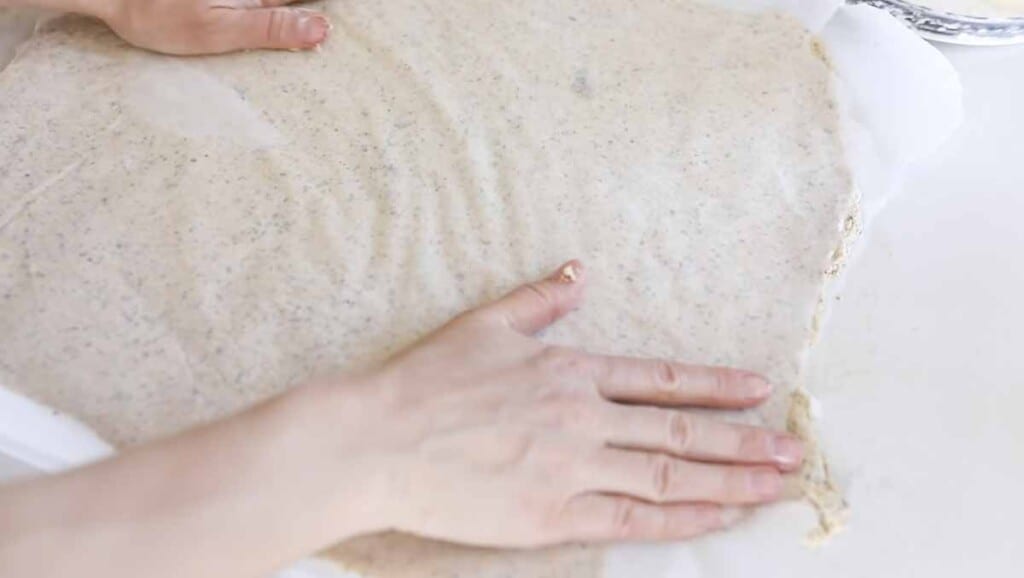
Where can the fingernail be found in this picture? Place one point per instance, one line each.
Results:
(757, 386)
(313, 29)
(766, 483)
(569, 273)
(787, 450)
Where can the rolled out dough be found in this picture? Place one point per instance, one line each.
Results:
(182, 237)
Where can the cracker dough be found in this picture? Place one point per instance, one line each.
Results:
(182, 237)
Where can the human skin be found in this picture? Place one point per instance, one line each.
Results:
(478, 422)
(187, 27)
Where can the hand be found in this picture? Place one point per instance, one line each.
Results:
(484, 435)
(212, 26)
(479, 434)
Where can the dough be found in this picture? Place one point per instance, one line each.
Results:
(182, 237)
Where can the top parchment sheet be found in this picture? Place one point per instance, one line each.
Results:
(182, 237)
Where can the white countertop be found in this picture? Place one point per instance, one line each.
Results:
(920, 369)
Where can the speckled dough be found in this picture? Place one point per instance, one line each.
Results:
(182, 237)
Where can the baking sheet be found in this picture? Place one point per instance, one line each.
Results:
(993, 8)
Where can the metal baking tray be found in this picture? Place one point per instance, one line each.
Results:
(942, 26)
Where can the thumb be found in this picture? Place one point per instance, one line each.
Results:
(283, 28)
(534, 306)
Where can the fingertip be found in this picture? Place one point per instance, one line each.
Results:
(572, 276)
(740, 388)
(570, 273)
(275, 28)
(312, 29)
(690, 521)
(710, 516)
(755, 386)
(734, 388)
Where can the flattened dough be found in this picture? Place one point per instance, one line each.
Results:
(182, 237)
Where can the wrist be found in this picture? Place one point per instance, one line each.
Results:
(326, 428)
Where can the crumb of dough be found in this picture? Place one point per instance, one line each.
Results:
(816, 480)
(819, 50)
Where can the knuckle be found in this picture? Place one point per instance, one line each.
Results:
(681, 428)
(540, 292)
(663, 475)
(545, 299)
(275, 25)
(623, 518)
(566, 408)
(579, 415)
(667, 376)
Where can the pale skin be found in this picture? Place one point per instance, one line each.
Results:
(479, 421)
(480, 434)
(187, 27)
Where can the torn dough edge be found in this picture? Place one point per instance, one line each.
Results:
(817, 484)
